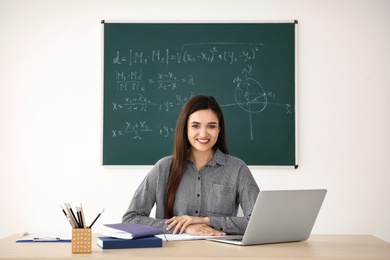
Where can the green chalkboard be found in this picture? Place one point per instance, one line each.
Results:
(152, 69)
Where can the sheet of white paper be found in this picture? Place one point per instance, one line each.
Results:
(117, 234)
(182, 237)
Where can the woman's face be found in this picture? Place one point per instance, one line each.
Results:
(202, 130)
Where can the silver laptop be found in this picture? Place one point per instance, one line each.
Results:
(280, 216)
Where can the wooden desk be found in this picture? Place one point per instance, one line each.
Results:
(317, 247)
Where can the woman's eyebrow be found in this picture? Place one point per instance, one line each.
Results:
(209, 123)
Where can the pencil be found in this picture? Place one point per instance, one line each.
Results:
(96, 219)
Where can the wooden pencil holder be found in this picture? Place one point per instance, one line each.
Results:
(81, 240)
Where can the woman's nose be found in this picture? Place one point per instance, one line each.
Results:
(203, 131)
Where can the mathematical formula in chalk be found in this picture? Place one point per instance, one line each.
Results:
(211, 52)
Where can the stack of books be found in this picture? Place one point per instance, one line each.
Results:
(125, 235)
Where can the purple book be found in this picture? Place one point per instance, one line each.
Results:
(136, 230)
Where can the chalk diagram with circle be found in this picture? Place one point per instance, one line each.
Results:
(251, 97)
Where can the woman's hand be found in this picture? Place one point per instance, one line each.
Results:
(199, 226)
(203, 230)
(182, 222)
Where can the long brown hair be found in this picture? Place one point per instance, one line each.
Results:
(182, 145)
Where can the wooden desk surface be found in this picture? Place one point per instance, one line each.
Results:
(317, 247)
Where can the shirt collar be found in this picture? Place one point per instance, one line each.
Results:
(218, 158)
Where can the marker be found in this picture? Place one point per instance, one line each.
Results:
(96, 219)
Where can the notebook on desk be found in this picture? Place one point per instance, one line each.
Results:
(280, 216)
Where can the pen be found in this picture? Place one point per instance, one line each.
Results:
(74, 216)
(82, 215)
(96, 219)
(63, 211)
(78, 216)
(71, 215)
(67, 217)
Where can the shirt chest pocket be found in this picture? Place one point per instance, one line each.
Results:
(222, 200)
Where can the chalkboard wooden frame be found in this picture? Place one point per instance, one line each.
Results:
(150, 69)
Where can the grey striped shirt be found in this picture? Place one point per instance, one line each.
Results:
(216, 191)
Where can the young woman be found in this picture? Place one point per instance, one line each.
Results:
(199, 188)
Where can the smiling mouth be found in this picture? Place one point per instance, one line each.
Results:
(203, 141)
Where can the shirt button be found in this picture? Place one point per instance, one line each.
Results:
(198, 195)
(199, 178)
(196, 212)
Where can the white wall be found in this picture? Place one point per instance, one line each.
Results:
(51, 108)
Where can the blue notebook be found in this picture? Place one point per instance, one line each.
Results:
(115, 243)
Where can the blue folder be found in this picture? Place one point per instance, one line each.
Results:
(46, 237)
